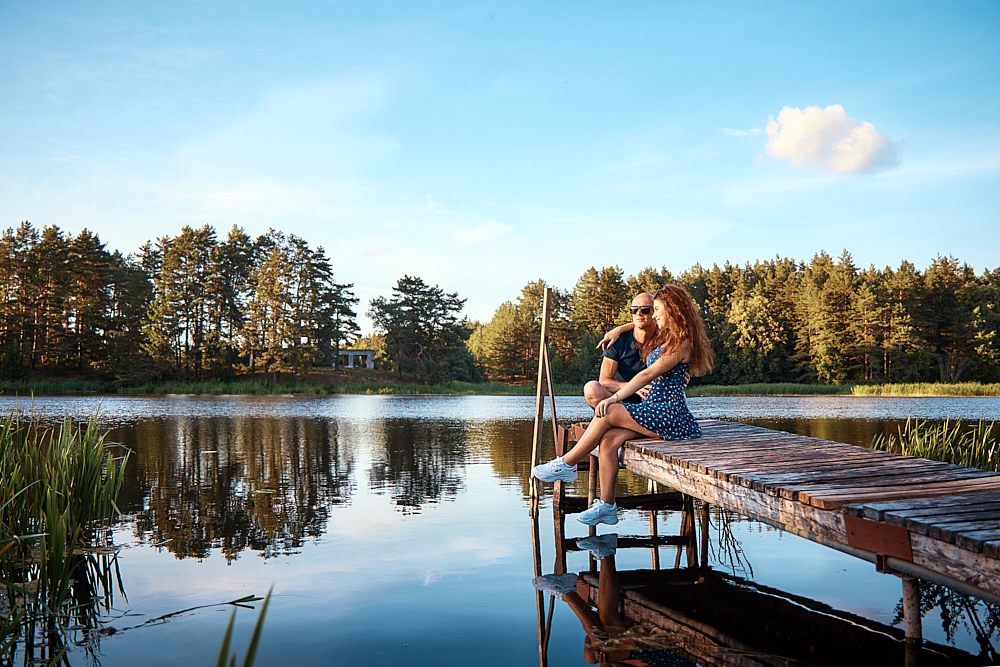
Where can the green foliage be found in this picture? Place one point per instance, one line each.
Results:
(948, 441)
(12, 363)
(423, 334)
(599, 300)
(197, 307)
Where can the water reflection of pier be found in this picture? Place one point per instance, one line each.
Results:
(711, 618)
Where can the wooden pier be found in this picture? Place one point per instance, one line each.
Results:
(910, 516)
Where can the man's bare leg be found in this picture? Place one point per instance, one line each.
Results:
(594, 392)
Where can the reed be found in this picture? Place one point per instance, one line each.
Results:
(767, 389)
(258, 629)
(948, 441)
(59, 487)
(928, 389)
(55, 386)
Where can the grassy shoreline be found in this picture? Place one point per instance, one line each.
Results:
(385, 385)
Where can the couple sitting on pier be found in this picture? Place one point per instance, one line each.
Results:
(666, 333)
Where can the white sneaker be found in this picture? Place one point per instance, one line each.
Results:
(557, 584)
(553, 470)
(600, 546)
(599, 512)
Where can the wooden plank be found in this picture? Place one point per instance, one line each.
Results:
(871, 483)
(853, 464)
(838, 498)
(953, 561)
(931, 514)
(853, 472)
(923, 524)
(991, 549)
(949, 532)
(876, 510)
(722, 468)
(974, 540)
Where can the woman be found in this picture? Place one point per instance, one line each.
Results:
(680, 345)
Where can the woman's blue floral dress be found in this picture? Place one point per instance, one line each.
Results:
(664, 411)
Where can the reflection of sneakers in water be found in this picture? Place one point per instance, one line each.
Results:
(553, 470)
(600, 546)
(557, 584)
(599, 512)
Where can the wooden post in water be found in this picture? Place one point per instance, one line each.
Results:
(653, 532)
(704, 533)
(543, 381)
(912, 623)
(536, 552)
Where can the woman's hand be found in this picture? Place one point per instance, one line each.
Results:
(602, 408)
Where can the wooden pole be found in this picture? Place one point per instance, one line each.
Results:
(536, 552)
(705, 522)
(913, 630)
(911, 610)
(552, 396)
(536, 442)
(653, 532)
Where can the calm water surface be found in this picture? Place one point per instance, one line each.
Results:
(395, 530)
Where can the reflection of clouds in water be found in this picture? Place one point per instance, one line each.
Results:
(481, 549)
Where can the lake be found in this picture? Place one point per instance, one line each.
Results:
(395, 530)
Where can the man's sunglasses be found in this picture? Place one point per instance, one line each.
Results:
(645, 310)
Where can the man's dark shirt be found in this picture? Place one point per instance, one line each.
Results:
(629, 358)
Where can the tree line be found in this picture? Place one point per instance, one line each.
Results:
(196, 307)
(188, 307)
(779, 320)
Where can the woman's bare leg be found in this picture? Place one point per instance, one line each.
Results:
(616, 416)
(612, 441)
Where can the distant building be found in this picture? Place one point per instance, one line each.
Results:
(357, 358)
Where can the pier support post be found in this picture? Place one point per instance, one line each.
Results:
(911, 610)
(704, 533)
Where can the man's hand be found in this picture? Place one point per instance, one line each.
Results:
(609, 339)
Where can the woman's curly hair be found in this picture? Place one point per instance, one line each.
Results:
(688, 324)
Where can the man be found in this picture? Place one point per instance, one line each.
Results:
(623, 360)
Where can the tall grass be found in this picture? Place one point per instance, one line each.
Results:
(58, 487)
(55, 386)
(247, 387)
(767, 389)
(946, 441)
(928, 389)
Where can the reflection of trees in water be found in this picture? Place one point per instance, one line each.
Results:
(418, 461)
(203, 483)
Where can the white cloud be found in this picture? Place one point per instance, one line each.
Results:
(829, 139)
(752, 132)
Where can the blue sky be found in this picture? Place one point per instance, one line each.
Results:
(483, 145)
